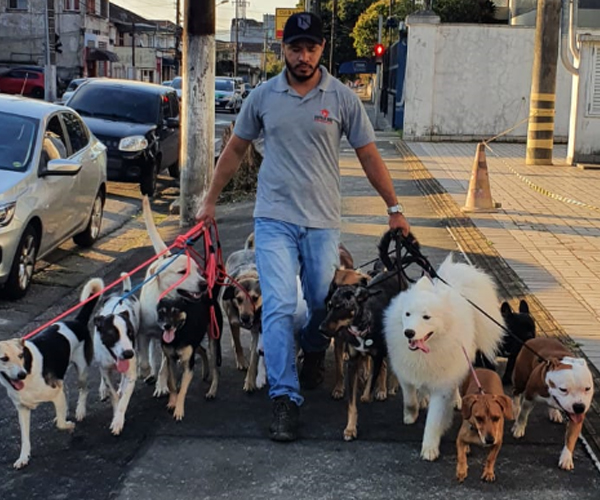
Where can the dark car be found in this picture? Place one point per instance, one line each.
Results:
(139, 124)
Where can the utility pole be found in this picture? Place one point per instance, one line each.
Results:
(197, 153)
(178, 37)
(540, 134)
(133, 71)
(50, 69)
(265, 55)
(237, 33)
(333, 34)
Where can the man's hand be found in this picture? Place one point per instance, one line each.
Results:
(398, 221)
(206, 213)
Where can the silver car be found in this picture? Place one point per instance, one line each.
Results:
(52, 186)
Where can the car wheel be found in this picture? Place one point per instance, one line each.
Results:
(37, 93)
(149, 179)
(174, 170)
(21, 271)
(90, 234)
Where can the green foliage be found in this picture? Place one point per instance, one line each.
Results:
(274, 65)
(364, 33)
(465, 11)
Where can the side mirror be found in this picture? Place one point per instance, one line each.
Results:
(61, 167)
(173, 122)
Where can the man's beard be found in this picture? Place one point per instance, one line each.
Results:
(301, 77)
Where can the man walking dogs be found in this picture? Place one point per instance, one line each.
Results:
(303, 113)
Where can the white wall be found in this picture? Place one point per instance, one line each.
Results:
(470, 82)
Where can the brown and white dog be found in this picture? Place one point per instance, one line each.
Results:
(483, 421)
(563, 382)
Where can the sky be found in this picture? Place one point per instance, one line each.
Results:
(165, 9)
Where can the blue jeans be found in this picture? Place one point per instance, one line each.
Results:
(283, 251)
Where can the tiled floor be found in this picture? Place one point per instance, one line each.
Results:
(548, 228)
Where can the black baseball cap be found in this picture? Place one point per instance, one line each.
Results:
(303, 26)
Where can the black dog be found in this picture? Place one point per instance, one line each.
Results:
(184, 323)
(521, 326)
(355, 314)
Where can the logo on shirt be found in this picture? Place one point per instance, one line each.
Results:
(324, 117)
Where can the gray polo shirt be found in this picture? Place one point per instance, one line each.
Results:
(299, 179)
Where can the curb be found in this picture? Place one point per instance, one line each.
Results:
(483, 254)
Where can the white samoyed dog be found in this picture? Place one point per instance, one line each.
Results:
(426, 328)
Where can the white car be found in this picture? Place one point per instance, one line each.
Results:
(72, 87)
(52, 186)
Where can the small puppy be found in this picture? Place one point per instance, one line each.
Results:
(184, 323)
(483, 421)
(33, 371)
(565, 383)
(115, 329)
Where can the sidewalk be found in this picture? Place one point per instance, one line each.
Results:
(546, 232)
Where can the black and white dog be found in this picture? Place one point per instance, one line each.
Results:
(33, 371)
(115, 328)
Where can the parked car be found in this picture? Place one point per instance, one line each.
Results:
(167, 83)
(72, 87)
(26, 80)
(177, 83)
(139, 124)
(246, 89)
(52, 186)
(227, 95)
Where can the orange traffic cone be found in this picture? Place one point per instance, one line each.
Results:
(479, 195)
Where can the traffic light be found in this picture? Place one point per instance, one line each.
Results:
(57, 44)
(379, 50)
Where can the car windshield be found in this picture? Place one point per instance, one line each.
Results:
(224, 85)
(73, 85)
(17, 141)
(115, 103)
(176, 83)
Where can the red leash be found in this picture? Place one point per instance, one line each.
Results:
(182, 241)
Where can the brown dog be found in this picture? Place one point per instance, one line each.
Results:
(483, 420)
(546, 370)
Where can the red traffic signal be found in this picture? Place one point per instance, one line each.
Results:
(379, 50)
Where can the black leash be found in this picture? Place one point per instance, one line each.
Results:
(417, 257)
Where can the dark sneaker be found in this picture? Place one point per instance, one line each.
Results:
(284, 426)
(313, 369)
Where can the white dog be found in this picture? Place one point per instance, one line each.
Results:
(174, 267)
(426, 328)
(115, 328)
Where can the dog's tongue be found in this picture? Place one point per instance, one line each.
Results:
(17, 384)
(577, 417)
(420, 344)
(169, 335)
(122, 365)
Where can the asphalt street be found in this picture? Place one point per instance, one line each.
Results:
(221, 449)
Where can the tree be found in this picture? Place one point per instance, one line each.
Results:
(465, 11)
(365, 30)
(274, 65)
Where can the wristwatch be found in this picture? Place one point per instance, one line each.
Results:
(395, 209)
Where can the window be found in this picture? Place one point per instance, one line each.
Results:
(121, 40)
(91, 6)
(77, 133)
(54, 144)
(18, 4)
(72, 5)
(594, 92)
(104, 8)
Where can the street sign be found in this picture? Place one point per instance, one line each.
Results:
(281, 16)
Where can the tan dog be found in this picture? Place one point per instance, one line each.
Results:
(565, 383)
(483, 421)
(242, 302)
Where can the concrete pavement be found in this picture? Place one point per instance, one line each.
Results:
(221, 449)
